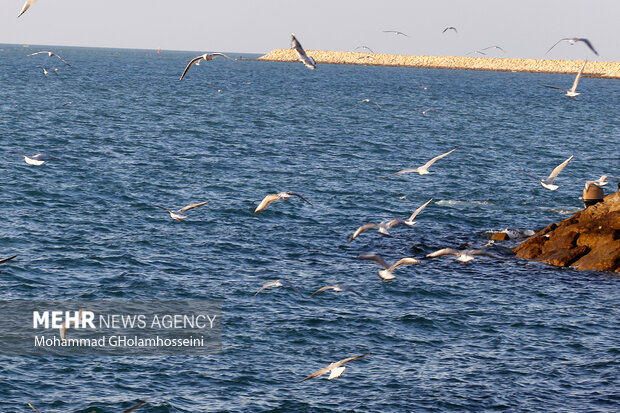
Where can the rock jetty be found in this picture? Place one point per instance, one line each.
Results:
(609, 70)
(589, 240)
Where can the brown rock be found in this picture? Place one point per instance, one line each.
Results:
(589, 240)
(500, 236)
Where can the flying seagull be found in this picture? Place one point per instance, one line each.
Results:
(410, 221)
(178, 214)
(206, 57)
(364, 47)
(396, 32)
(367, 100)
(279, 283)
(548, 182)
(450, 28)
(335, 369)
(274, 197)
(573, 40)
(27, 5)
(424, 112)
(35, 160)
(494, 47)
(50, 54)
(386, 273)
(337, 288)
(572, 92)
(602, 181)
(382, 227)
(422, 170)
(308, 61)
(477, 51)
(461, 255)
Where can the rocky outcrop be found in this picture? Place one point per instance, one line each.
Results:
(593, 68)
(589, 240)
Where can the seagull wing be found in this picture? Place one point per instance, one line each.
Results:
(556, 43)
(131, 409)
(31, 406)
(403, 261)
(27, 5)
(343, 361)
(266, 201)
(417, 211)
(376, 258)
(317, 373)
(404, 171)
(162, 207)
(36, 53)
(436, 158)
(187, 208)
(299, 196)
(362, 229)
(3, 260)
(587, 42)
(268, 284)
(578, 77)
(554, 87)
(291, 286)
(526, 174)
(558, 169)
(444, 251)
(191, 62)
(222, 55)
(320, 290)
(62, 60)
(346, 287)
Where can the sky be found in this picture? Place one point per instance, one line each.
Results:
(524, 28)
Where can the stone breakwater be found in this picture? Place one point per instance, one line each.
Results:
(609, 70)
(589, 240)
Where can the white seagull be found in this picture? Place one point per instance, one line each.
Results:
(206, 57)
(364, 47)
(335, 369)
(602, 181)
(494, 47)
(367, 100)
(450, 28)
(337, 288)
(410, 221)
(50, 54)
(308, 61)
(279, 283)
(573, 40)
(382, 227)
(178, 214)
(27, 5)
(461, 255)
(548, 182)
(422, 170)
(386, 273)
(36, 160)
(572, 92)
(274, 197)
(396, 32)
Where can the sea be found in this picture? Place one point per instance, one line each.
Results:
(496, 334)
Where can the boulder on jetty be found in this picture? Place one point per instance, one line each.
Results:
(589, 240)
(593, 68)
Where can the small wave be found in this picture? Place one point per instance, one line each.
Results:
(450, 202)
(566, 211)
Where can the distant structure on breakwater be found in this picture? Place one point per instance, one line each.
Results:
(608, 70)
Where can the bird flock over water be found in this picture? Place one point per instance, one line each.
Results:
(386, 271)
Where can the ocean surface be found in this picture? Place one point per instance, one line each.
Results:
(495, 334)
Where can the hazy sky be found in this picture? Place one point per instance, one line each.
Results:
(525, 28)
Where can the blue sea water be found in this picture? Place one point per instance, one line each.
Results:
(496, 334)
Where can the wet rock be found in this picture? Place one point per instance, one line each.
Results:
(500, 236)
(589, 240)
